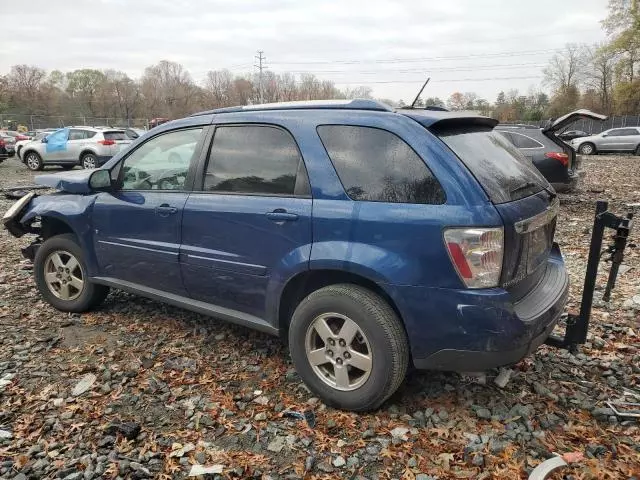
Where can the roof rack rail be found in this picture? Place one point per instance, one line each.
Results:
(356, 104)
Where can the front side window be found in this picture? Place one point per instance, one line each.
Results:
(162, 163)
(77, 134)
(257, 160)
(59, 136)
(615, 133)
(378, 166)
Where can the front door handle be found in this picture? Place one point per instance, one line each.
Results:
(280, 215)
(165, 210)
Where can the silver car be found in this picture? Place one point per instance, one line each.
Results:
(625, 139)
(89, 147)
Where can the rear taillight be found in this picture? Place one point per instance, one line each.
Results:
(563, 158)
(1, 142)
(476, 254)
(107, 142)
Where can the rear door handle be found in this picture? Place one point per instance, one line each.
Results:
(280, 215)
(165, 210)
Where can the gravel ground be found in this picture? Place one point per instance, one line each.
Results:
(167, 390)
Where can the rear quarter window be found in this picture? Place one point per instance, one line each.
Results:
(501, 169)
(378, 166)
(115, 136)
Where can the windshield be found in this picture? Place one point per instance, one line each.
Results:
(502, 170)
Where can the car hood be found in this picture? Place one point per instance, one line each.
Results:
(71, 182)
(583, 139)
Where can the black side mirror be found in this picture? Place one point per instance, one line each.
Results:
(100, 180)
(44, 140)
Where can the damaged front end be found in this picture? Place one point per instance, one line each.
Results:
(12, 222)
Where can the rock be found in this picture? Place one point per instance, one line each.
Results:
(368, 433)
(276, 445)
(197, 470)
(483, 413)
(201, 457)
(598, 343)
(478, 460)
(6, 379)
(503, 377)
(496, 447)
(20, 476)
(5, 434)
(309, 462)
(74, 476)
(339, 462)
(353, 461)
(400, 432)
(84, 384)
(540, 389)
(58, 402)
(129, 430)
(261, 400)
(261, 416)
(602, 413)
(424, 476)
(178, 450)
(106, 441)
(325, 467)
(412, 463)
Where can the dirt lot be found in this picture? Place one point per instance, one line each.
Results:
(174, 389)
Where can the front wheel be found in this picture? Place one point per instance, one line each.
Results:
(62, 277)
(88, 161)
(33, 161)
(587, 149)
(349, 347)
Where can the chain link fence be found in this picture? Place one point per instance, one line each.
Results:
(594, 126)
(34, 122)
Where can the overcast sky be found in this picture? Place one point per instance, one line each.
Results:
(483, 46)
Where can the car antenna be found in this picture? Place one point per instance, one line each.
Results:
(415, 100)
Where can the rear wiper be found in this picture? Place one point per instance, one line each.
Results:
(524, 186)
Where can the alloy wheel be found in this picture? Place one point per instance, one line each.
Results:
(338, 351)
(63, 275)
(88, 162)
(33, 162)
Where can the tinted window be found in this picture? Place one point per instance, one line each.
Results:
(256, 160)
(523, 141)
(627, 132)
(376, 165)
(502, 170)
(162, 163)
(114, 136)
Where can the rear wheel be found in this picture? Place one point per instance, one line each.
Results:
(349, 347)
(587, 149)
(88, 161)
(62, 278)
(33, 161)
(637, 152)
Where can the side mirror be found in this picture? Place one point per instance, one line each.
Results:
(44, 140)
(605, 134)
(100, 180)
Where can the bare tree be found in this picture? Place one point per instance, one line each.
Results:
(565, 68)
(599, 74)
(25, 82)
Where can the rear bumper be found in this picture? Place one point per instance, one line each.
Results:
(473, 330)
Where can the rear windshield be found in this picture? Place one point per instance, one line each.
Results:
(502, 170)
(115, 136)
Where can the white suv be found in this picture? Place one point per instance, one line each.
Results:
(89, 147)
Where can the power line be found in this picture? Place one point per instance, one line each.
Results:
(420, 70)
(516, 53)
(528, 77)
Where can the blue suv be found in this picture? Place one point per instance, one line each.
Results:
(372, 238)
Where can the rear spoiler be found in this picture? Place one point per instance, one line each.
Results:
(442, 120)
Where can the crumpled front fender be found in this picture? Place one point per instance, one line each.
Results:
(72, 210)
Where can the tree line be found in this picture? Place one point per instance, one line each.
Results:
(603, 77)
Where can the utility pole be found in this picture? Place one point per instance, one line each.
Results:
(260, 66)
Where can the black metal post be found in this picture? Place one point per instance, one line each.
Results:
(620, 243)
(577, 329)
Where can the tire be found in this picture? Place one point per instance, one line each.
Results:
(79, 297)
(380, 337)
(33, 161)
(637, 152)
(587, 149)
(88, 161)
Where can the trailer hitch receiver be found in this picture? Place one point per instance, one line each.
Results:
(578, 325)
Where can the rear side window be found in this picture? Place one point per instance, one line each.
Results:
(502, 170)
(114, 136)
(257, 160)
(377, 165)
(523, 141)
